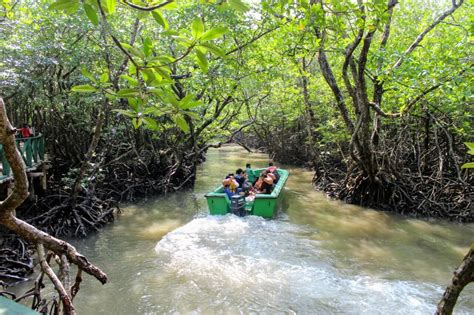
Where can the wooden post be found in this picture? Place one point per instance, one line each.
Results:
(44, 180)
(31, 190)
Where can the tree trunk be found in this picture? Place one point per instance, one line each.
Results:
(85, 163)
(462, 277)
(311, 123)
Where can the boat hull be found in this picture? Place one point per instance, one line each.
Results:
(264, 205)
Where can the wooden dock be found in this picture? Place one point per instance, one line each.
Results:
(32, 151)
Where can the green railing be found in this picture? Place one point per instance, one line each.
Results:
(31, 149)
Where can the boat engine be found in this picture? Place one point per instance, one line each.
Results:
(237, 205)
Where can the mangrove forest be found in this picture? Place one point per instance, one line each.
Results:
(236, 157)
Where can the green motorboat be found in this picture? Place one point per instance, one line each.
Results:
(264, 205)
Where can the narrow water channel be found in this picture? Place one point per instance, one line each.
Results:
(167, 256)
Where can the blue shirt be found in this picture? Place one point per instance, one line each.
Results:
(228, 192)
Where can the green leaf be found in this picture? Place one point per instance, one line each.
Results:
(470, 146)
(104, 77)
(193, 115)
(181, 122)
(134, 104)
(214, 49)
(165, 59)
(125, 112)
(188, 102)
(213, 33)
(150, 123)
(131, 81)
(137, 122)
(468, 165)
(185, 101)
(168, 97)
(147, 46)
(238, 5)
(193, 104)
(164, 72)
(88, 75)
(183, 41)
(202, 61)
(128, 93)
(91, 14)
(169, 6)
(149, 75)
(170, 33)
(110, 5)
(158, 16)
(132, 69)
(83, 89)
(135, 51)
(197, 28)
(68, 5)
(156, 84)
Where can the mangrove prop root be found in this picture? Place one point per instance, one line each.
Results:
(63, 294)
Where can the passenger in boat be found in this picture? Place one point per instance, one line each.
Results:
(226, 183)
(273, 170)
(250, 173)
(273, 177)
(267, 186)
(260, 181)
(233, 183)
(239, 177)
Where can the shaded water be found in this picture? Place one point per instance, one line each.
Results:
(166, 255)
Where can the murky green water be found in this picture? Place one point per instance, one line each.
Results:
(167, 256)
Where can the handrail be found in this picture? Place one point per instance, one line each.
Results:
(31, 149)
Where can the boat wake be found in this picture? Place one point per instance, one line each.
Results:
(232, 264)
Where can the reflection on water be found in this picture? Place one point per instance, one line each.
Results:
(166, 255)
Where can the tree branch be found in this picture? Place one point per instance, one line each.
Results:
(135, 6)
(413, 101)
(417, 41)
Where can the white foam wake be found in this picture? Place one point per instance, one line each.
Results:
(250, 264)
